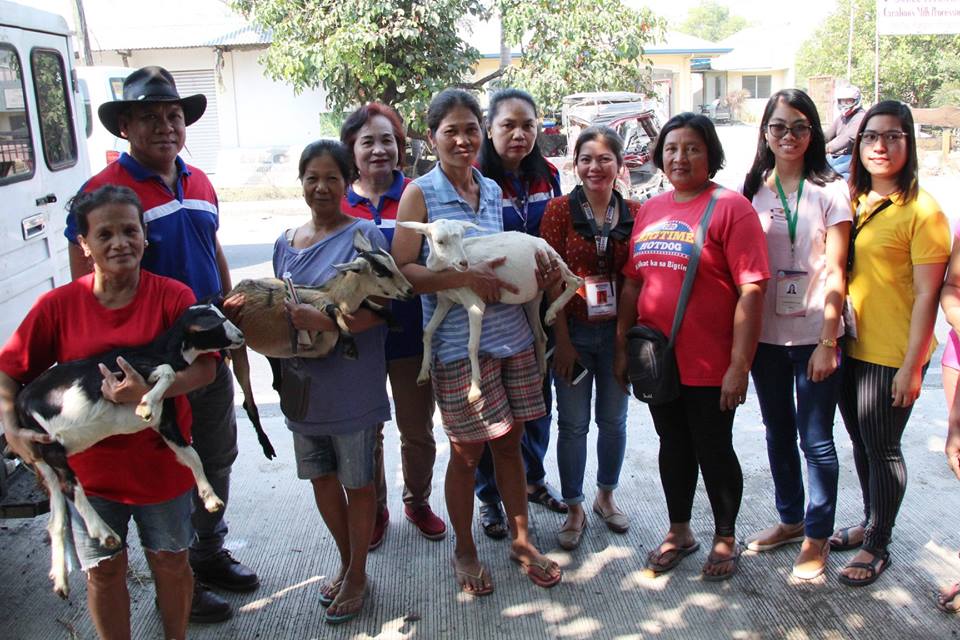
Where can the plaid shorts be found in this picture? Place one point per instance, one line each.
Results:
(511, 391)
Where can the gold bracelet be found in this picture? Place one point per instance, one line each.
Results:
(828, 342)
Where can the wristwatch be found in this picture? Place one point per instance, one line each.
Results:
(828, 342)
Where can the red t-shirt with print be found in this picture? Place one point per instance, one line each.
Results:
(734, 253)
(69, 323)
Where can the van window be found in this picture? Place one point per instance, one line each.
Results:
(16, 150)
(56, 123)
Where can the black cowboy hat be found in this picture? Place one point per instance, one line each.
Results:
(150, 84)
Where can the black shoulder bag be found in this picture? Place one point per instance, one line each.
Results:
(652, 363)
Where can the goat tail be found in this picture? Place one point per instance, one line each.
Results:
(241, 370)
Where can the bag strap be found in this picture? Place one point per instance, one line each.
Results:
(691, 273)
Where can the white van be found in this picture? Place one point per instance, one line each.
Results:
(97, 86)
(43, 162)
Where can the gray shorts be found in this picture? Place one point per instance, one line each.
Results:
(350, 456)
(162, 527)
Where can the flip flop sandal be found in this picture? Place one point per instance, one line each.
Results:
(714, 561)
(328, 593)
(478, 577)
(544, 495)
(539, 574)
(945, 600)
(679, 553)
(492, 520)
(840, 541)
(344, 617)
(873, 567)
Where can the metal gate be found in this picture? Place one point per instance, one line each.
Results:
(203, 136)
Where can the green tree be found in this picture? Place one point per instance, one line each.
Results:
(400, 52)
(912, 68)
(712, 21)
(578, 45)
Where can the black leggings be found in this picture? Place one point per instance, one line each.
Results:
(695, 435)
(876, 428)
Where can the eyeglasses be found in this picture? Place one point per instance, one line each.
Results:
(798, 130)
(889, 137)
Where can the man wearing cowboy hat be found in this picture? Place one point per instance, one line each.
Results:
(182, 215)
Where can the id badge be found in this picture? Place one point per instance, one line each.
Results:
(849, 319)
(601, 298)
(792, 293)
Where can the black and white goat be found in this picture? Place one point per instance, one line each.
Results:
(66, 402)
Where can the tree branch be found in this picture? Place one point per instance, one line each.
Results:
(482, 81)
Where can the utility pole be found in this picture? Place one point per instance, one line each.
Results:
(84, 34)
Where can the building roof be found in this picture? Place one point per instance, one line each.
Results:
(763, 48)
(675, 42)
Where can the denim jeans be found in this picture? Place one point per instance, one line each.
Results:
(778, 373)
(595, 348)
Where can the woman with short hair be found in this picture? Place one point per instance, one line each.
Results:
(716, 341)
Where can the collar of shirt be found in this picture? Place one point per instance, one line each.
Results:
(141, 173)
(581, 225)
(393, 193)
(446, 193)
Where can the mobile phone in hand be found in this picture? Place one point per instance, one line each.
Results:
(578, 373)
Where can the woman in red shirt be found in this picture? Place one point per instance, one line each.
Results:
(118, 305)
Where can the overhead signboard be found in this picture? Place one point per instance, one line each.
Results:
(911, 17)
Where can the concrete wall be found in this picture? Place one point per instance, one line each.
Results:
(254, 111)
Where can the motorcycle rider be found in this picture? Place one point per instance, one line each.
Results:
(841, 134)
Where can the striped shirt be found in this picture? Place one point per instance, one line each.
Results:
(524, 202)
(181, 227)
(505, 330)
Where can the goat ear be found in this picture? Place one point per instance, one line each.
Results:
(470, 225)
(420, 227)
(357, 265)
(361, 242)
(207, 321)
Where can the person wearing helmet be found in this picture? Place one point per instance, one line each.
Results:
(843, 131)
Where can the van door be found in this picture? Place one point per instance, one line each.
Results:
(41, 167)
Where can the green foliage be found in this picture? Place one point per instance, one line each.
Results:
(712, 21)
(578, 45)
(912, 68)
(400, 52)
(948, 95)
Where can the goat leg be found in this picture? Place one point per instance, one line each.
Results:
(532, 311)
(57, 526)
(241, 370)
(161, 378)
(188, 457)
(475, 314)
(444, 304)
(349, 344)
(572, 282)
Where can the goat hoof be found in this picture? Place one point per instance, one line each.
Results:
(549, 318)
(474, 394)
(111, 542)
(213, 504)
(145, 411)
(423, 378)
(62, 590)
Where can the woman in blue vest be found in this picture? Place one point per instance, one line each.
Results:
(510, 379)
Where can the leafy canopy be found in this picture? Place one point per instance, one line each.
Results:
(571, 46)
(912, 68)
(712, 21)
(400, 52)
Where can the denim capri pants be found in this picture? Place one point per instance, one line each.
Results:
(349, 455)
(164, 526)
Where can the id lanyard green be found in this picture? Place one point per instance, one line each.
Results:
(792, 216)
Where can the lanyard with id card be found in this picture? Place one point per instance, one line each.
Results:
(792, 284)
(601, 293)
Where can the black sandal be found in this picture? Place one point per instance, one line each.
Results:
(545, 495)
(874, 567)
(492, 520)
(840, 541)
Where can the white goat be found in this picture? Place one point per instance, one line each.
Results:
(449, 249)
